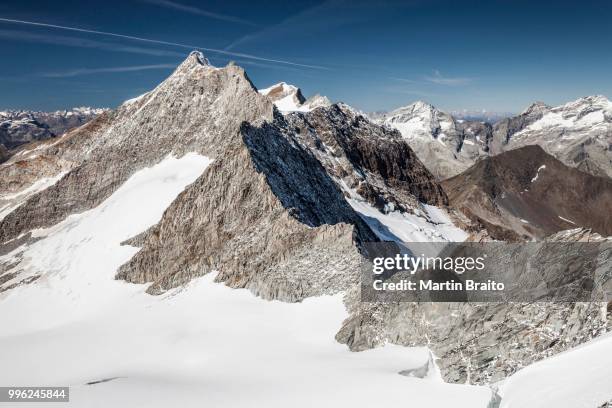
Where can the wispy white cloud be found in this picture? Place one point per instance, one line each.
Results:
(439, 79)
(198, 11)
(408, 81)
(168, 43)
(90, 71)
(84, 43)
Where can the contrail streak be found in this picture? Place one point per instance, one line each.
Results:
(131, 37)
(198, 11)
(88, 71)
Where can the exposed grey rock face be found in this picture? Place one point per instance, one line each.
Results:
(19, 127)
(37, 165)
(372, 160)
(480, 343)
(578, 133)
(506, 128)
(180, 115)
(265, 215)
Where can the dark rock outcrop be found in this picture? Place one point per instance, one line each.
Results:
(374, 161)
(4, 154)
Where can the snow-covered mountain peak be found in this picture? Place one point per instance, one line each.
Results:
(591, 103)
(289, 94)
(194, 61)
(198, 56)
(536, 107)
(446, 146)
(289, 98)
(280, 88)
(419, 111)
(585, 111)
(577, 133)
(317, 101)
(414, 108)
(421, 105)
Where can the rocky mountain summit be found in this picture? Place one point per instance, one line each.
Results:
(507, 127)
(310, 209)
(19, 127)
(447, 146)
(289, 98)
(578, 133)
(104, 153)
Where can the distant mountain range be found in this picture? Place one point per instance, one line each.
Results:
(19, 126)
(578, 133)
(480, 116)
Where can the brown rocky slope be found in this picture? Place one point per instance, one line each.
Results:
(528, 192)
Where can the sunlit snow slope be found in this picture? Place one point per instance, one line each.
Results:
(428, 223)
(580, 377)
(202, 345)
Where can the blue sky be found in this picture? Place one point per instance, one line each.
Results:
(498, 55)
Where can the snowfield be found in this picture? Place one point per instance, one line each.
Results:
(209, 345)
(428, 223)
(287, 103)
(578, 378)
(201, 345)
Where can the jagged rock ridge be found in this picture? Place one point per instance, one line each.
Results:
(373, 161)
(179, 116)
(266, 216)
